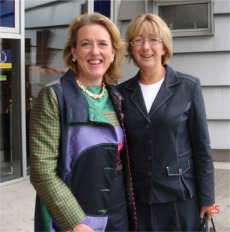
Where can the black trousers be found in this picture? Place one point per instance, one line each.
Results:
(173, 216)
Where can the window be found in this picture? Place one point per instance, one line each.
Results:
(10, 110)
(187, 18)
(103, 7)
(9, 12)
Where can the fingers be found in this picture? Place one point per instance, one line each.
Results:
(205, 210)
(82, 228)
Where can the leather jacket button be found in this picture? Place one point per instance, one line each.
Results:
(150, 174)
(180, 170)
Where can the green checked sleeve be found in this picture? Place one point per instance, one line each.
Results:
(44, 151)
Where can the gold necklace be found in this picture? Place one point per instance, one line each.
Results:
(89, 93)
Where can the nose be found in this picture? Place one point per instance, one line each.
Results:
(146, 43)
(95, 49)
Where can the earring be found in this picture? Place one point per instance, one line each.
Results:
(112, 60)
(73, 60)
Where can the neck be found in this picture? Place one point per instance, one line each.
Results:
(90, 81)
(152, 77)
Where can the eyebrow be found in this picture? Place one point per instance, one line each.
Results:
(155, 35)
(102, 40)
(88, 40)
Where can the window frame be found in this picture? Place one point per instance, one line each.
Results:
(16, 28)
(188, 32)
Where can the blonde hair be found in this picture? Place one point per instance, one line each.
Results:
(114, 72)
(150, 23)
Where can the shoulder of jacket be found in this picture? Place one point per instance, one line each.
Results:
(56, 82)
(186, 77)
(125, 83)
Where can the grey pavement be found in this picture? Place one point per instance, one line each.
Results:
(17, 203)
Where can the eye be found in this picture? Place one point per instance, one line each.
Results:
(137, 40)
(153, 39)
(86, 44)
(103, 44)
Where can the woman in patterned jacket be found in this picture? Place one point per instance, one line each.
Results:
(83, 182)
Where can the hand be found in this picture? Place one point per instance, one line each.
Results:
(206, 210)
(82, 228)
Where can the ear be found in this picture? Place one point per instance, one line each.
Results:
(131, 50)
(74, 54)
(164, 50)
(112, 59)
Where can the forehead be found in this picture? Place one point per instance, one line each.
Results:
(145, 27)
(93, 30)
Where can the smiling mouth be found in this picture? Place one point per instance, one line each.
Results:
(146, 56)
(95, 61)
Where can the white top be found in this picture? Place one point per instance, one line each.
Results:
(149, 93)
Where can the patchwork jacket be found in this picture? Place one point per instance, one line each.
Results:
(60, 152)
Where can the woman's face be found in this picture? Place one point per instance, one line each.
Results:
(93, 53)
(147, 50)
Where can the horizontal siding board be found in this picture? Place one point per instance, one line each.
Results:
(212, 68)
(122, 28)
(129, 70)
(219, 134)
(130, 8)
(55, 15)
(221, 6)
(32, 4)
(217, 102)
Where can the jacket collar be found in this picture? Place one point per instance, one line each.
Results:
(165, 92)
(171, 79)
(77, 108)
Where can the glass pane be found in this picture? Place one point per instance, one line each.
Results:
(187, 16)
(102, 6)
(10, 142)
(7, 13)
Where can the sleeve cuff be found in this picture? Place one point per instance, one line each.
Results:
(98, 224)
